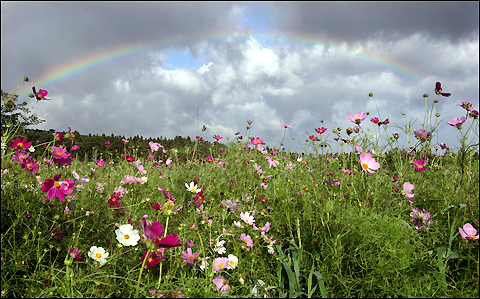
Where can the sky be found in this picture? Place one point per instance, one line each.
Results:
(167, 68)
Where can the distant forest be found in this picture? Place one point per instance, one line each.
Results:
(94, 147)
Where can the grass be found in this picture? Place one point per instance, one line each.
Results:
(322, 228)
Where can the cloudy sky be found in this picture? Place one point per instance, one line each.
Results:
(168, 68)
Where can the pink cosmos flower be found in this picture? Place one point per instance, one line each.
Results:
(321, 130)
(19, 144)
(125, 140)
(257, 141)
(374, 120)
(220, 264)
(58, 188)
(421, 135)
(154, 233)
(189, 256)
(60, 152)
(368, 163)
(153, 258)
(357, 118)
(74, 148)
(407, 191)
(247, 218)
(114, 200)
(419, 165)
(421, 220)
(468, 232)
(107, 143)
(199, 138)
(140, 167)
(130, 158)
(249, 122)
(74, 253)
(457, 122)
(286, 126)
(30, 165)
(100, 163)
(221, 284)
(438, 90)
(473, 113)
(247, 239)
(40, 95)
(217, 137)
(443, 145)
(273, 162)
(154, 146)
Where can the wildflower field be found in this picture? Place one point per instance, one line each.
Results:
(244, 220)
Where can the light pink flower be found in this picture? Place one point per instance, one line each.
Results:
(457, 122)
(189, 256)
(221, 284)
(407, 191)
(220, 263)
(357, 118)
(286, 126)
(468, 232)
(247, 239)
(247, 218)
(368, 163)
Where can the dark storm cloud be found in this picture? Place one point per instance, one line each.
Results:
(352, 21)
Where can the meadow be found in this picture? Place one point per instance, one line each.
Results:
(244, 221)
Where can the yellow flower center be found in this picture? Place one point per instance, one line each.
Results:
(126, 237)
(232, 263)
(190, 256)
(98, 255)
(29, 165)
(245, 240)
(365, 166)
(220, 265)
(39, 95)
(57, 185)
(59, 153)
(72, 254)
(20, 144)
(150, 260)
(471, 236)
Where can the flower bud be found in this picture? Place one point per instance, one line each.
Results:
(370, 94)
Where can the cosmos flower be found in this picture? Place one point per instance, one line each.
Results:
(57, 188)
(357, 118)
(40, 95)
(368, 163)
(468, 232)
(127, 235)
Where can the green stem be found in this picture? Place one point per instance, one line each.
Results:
(163, 249)
(141, 271)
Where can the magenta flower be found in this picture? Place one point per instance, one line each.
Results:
(375, 120)
(40, 95)
(30, 165)
(154, 146)
(249, 122)
(114, 200)
(438, 90)
(457, 122)
(154, 233)
(199, 138)
(130, 158)
(257, 141)
(320, 130)
(407, 191)
(74, 253)
(468, 232)
(189, 256)
(19, 144)
(286, 126)
(58, 188)
(247, 239)
(153, 258)
(443, 145)
(473, 113)
(357, 118)
(419, 165)
(221, 284)
(368, 163)
(100, 163)
(107, 143)
(74, 148)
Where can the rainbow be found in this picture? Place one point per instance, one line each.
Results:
(87, 63)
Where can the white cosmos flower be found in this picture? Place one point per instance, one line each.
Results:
(127, 235)
(192, 188)
(219, 248)
(99, 254)
(232, 261)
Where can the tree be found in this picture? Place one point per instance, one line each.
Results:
(17, 114)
